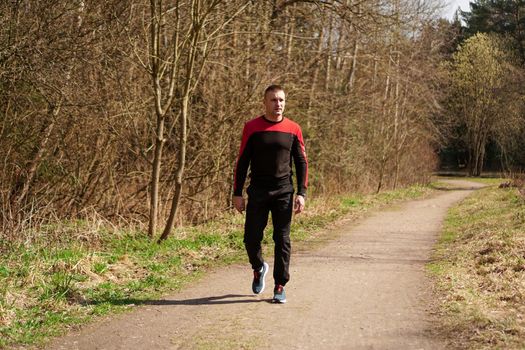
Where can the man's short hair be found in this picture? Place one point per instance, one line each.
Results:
(272, 88)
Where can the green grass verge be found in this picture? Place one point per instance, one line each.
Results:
(66, 274)
(479, 268)
(439, 183)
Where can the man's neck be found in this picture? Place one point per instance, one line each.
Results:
(274, 119)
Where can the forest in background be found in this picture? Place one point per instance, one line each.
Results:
(132, 111)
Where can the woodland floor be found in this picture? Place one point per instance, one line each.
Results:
(364, 286)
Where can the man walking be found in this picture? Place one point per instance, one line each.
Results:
(269, 144)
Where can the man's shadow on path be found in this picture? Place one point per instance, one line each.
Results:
(213, 300)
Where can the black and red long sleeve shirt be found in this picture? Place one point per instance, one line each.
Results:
(268, 148)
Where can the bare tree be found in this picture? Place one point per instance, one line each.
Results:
(77, 79)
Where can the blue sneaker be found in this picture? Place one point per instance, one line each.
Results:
(258, 279)
(279, 296)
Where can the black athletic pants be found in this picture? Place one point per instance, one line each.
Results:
(260, 203)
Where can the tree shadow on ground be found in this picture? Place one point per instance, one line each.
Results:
(453, 188)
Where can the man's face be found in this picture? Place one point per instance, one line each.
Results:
(274, 102)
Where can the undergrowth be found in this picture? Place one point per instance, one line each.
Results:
(62, 275)
(479, 268)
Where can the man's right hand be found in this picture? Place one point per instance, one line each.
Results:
(238, 203)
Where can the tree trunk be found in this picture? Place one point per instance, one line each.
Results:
(38, 154)
(396, 125)
(290, 22)
(155, 13)
(349, 84)
(381, 174)
(155, 176)
(316, 71)
(383, 141)
(183, 138)
(328, 60)
(157, 68)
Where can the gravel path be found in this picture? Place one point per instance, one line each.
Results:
(365, 288)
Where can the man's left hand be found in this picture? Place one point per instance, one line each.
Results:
(298, 204)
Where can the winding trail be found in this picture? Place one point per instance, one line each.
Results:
(365, 288)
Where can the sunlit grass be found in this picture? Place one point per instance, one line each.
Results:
(90, 269)
(479, 268)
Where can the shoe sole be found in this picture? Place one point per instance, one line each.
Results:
(263, 276)
(278, 301)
